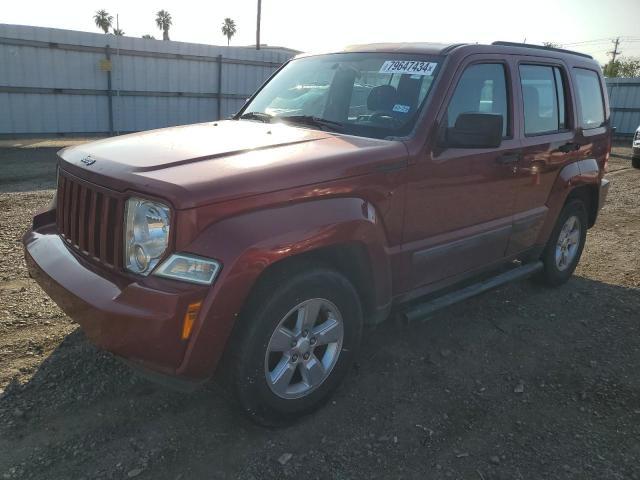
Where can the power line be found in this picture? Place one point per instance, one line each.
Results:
(597, 40)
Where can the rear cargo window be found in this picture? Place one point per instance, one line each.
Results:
(543, 98)
(589, 98)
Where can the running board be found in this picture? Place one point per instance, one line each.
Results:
(422, 310)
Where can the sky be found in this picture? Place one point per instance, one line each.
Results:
(584, 25)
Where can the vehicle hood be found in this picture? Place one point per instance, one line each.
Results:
(210, 162)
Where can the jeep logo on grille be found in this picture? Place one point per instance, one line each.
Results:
(88, 161)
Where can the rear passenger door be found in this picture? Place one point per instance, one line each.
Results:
(549, 141)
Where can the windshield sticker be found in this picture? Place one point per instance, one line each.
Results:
(408, 67)
(401, 108)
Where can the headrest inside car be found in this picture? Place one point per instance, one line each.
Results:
(382, 98)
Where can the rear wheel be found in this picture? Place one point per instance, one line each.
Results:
(564, 248)
(295, 344)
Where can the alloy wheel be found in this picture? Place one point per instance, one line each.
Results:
(304, 348)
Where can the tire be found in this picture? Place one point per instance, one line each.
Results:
(259, 380)
(556, 271)
(635, 162)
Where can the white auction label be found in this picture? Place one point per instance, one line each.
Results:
(412, 67)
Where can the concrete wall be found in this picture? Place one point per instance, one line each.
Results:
(52, 81)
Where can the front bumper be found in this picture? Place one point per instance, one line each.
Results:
(137, 318)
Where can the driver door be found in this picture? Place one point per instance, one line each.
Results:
(460, 201)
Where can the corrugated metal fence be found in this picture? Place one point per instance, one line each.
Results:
(624, 100)
(59, 81)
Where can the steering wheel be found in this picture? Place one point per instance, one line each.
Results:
(383, 117)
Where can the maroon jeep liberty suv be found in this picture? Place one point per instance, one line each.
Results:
(385, 176)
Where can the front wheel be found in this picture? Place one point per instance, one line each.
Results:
(564, 248)
(635, 162)
(295, 344)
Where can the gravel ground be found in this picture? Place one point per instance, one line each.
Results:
(520, 383)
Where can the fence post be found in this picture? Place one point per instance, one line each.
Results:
(220, 87)
(107, 52)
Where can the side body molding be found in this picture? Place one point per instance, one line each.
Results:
(249, 243)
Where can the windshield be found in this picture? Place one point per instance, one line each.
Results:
(368, 94)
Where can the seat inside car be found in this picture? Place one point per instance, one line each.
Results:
(533, 120)
(382, 98)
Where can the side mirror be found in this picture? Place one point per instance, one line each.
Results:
(475, 130)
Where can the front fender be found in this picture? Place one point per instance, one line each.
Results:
(249, 243)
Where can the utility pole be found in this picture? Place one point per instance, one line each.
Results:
(610, 71)
(615, 52)
(258, 25)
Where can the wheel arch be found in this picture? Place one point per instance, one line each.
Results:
(580, 180)
(588, 194)
(345, 234)
(350, 259)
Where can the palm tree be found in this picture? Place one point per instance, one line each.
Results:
(118, 32)
(228, 29)
(103, 20)
(163, 21)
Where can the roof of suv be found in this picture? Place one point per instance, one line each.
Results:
(444, 49)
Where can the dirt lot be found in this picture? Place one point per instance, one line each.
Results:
(520, 383)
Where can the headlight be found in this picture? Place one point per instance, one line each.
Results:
(146, 234)
(189, 268)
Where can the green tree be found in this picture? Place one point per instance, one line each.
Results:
(164, 22)
(228, 29)
(118, 32)
(103, 20)
(551, 45)
(623, 67)
(149, 37)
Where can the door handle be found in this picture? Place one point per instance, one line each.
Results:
(569, 147)
(508, 158)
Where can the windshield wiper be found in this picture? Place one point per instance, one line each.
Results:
(263, 117)
(315, 121)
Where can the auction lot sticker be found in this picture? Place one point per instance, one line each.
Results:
(412, 67)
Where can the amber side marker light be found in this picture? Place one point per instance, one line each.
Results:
(189, 319)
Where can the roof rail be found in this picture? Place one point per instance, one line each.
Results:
(448, 48)
(540, 47)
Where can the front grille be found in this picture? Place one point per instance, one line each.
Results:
(90, 219)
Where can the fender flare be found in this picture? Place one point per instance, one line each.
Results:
(249, 243)
(576, 174)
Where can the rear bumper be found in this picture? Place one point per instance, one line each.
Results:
(139, 319)
(604, 190)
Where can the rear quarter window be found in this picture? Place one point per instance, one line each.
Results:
(590, 98)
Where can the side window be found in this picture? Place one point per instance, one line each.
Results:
(481, 89)
(544, 99)
(589, 98)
